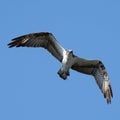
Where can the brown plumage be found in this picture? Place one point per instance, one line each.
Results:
(91, 67)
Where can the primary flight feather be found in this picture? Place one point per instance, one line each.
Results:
(68, 59)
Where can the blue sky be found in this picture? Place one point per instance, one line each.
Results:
(30, 87)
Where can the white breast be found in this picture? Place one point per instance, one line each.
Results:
(67, 61)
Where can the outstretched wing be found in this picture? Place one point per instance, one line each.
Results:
(97, 69)
(41, 39)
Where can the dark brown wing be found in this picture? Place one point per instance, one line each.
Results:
(97, 69)
(41, 39)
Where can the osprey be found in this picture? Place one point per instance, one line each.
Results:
(91, 67)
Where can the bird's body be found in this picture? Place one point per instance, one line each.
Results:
(68, 59)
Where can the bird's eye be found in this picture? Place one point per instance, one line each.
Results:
(71, 52)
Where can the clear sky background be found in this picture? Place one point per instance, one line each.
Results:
(30, 88)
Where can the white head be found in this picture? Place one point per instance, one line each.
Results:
(69, 53)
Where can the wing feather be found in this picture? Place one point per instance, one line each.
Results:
(97, 69)
(101, 76)
(41, 39)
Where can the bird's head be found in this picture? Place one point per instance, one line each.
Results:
(70, 52)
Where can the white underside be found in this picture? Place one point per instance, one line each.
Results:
(67, 61)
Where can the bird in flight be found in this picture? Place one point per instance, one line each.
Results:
(69, 61)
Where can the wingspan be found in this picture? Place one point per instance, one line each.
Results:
(97, 69)
(41, 39)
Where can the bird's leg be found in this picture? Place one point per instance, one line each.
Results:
(63, 73)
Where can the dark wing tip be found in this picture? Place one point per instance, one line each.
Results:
(10, 45)
(103, 82)
(21, 41)
(108, 94)
(107, 90)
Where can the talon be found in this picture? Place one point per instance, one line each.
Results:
(60, 72)
(68, 73)
(63, 74)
